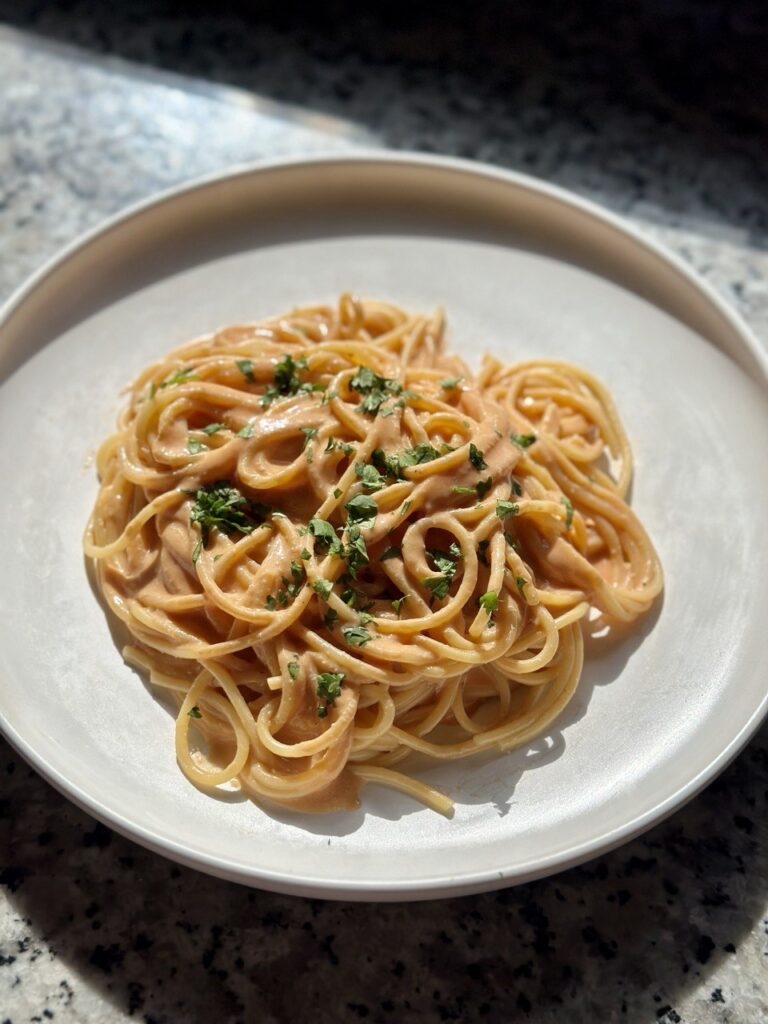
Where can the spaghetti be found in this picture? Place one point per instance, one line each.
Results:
(336, 547)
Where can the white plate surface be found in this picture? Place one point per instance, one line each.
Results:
(522, 270)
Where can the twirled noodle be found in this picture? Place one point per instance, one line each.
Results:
(336, 546)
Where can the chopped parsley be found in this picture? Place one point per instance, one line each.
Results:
(568, 511)
(395, 463)
(397, 604)
(504, 509)
(522, 440)
(375, 388)
(194, 447)
(305, 554)
(332, 444)
(329, 685)
(293, 669)
(213, 428)
(247, 431)
(325, 535)
(323, 588)
(337, 492)
(355, 552)
(245, 366)
(370, 476)
(287, 381)
(450, 383)
(517, 490)
(309, 433)
(393, 552)
(195, 712)
(364, 618)
(180, 377)
(445, 563)
(483, 487)
(356, 636)
(520, 583)
(270, 603)
(362, 510)
(330, 618)
(222, 507)
(489, 602)
(477, 459)
(328, 689)
(438, 585)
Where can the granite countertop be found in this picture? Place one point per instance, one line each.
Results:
(671, 927)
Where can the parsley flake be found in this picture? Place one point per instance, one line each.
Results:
(504, 509)
(293, 669)
(245, 366)
(194, 447)
(568, 511)
(375, 388)
(450, 383)
(195, 712)
(489, 602)
(476, 458)
(522, 440)
(356, 636)
(362, 510)
(323, 588)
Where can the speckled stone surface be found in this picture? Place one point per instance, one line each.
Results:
(671, 927)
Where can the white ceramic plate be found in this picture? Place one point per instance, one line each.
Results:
(523, 270)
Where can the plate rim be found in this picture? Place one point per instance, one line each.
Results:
(370, 889)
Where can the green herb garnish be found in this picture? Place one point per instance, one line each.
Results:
(370, 476)
(375, 388)
(522, 440)
(213, 428)
(362, 510)
(476, 458)
(323, 588)
(504, 509)
(194, 447)
(568, 511)
(195, 712)
(483, 487)
(489, 602)
(520, 583)
(293, 669)
(325, 535)
(330, 618)
(397, 604)
(449, 383)
(392, 552)
(247, 431)
(245, 366)
(287, 381)
(221, 506)
(328, 689)
(356, 636)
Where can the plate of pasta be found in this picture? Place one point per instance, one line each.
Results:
(387, 527)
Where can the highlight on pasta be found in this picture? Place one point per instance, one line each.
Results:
(337, 546)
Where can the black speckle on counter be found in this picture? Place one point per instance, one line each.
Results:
(705, 947)
(107, 958)
(99, 836)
